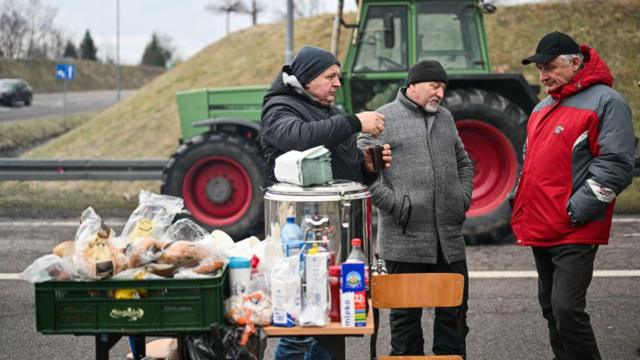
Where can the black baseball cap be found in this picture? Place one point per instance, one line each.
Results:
(551, 46)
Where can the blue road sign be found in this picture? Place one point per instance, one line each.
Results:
(66, 71)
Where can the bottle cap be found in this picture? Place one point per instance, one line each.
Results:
(334, 270)
(356, 242)
(313, 250)
(237, 262)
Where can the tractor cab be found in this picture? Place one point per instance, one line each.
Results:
(392, 37)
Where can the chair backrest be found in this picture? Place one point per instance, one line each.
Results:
(416, 290)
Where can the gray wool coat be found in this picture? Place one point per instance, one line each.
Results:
(422, 198)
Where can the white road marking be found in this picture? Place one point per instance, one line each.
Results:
(534, 274)
(10, 276)
(474, 274)
(626, 219)
(33, 223)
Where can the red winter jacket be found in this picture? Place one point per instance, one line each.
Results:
(579, 156)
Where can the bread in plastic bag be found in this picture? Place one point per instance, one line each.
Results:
(94, 248)
(153, 215)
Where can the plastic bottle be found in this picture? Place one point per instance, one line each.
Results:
(357, 256)
(292, 237)
(334, 286)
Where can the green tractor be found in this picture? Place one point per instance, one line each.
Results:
(218, 167)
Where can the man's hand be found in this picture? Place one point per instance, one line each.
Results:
(386, 156)
(372, 122)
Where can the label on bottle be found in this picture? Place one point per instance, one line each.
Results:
(353, 277)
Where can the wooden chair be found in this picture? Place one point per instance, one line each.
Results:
(417, 291)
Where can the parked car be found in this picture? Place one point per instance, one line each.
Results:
(14, 90)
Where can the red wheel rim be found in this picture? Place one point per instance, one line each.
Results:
(221, 170)
(494, 161)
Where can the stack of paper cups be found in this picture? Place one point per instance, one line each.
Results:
(239, 274)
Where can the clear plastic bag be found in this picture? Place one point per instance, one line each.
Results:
(205, 269)
(285, 292)
(94, 247)
(152, 217)
(317, 301)
(254, 306)
(48, 267)
(184, 229)
(187, 242)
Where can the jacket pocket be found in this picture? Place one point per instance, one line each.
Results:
(404, 214)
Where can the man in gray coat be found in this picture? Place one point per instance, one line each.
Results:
(422, 200)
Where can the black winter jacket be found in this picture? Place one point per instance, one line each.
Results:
(293, 121)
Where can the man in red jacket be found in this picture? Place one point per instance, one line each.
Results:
(579, 157)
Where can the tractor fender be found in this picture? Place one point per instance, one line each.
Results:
(247, 128)
(511, 86)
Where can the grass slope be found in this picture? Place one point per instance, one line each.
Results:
(90, 75)
(146, 125)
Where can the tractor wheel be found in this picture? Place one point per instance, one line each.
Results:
(492, 129)
(219, 177)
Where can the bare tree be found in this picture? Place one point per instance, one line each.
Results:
(308, 8)
(227, 7)
(254, 9)
(41, 19)
(302, 9)
(27, 30)
(13, 28)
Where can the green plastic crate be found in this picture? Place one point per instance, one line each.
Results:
(170, 306)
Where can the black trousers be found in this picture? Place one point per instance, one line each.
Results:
(564, 274)
(450, 324)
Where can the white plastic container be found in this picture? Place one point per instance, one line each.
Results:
(239, 274)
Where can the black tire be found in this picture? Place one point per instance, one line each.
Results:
(481, 107)
(28, 100)
(199, 157)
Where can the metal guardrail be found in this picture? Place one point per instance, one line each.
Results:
(95, 169)
(81, 169)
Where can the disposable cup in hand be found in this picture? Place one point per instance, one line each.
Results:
(376, 156)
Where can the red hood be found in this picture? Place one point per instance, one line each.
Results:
(595, 71)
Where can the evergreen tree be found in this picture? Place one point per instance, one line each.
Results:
(88, 49)
(156, 53)
(70, 51)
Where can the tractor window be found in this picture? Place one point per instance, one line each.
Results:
(383, 40)
(447, 33)
(368, 95)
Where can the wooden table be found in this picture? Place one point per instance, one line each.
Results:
(331, 337)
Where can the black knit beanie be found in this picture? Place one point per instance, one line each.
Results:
(311, 62)
(427, 70)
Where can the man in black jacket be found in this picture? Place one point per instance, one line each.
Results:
(298, 114)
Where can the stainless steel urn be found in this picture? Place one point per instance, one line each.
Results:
(341, 210)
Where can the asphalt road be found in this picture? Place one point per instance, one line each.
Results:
(504, 317)
(53, 104)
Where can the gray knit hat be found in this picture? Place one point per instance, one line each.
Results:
(427, 70)
(311, 62)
